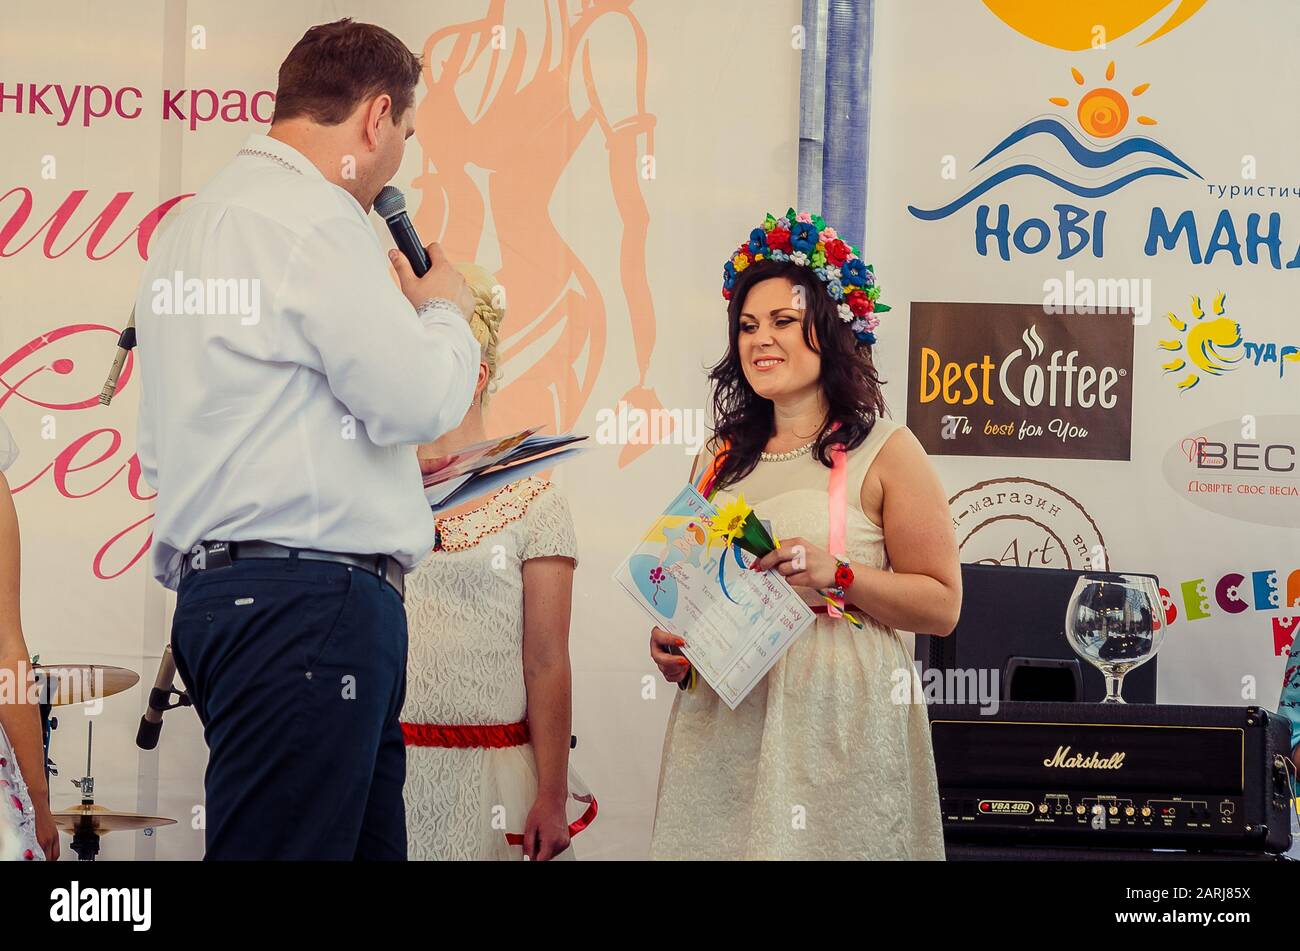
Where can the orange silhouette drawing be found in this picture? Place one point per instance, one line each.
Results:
(513, 107)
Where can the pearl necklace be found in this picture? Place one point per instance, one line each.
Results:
(788, 454)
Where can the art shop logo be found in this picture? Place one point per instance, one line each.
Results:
(178, 295)
(1025, 384)
(1202, 348)
(77, 904)
(1247, 469)
(1025, 523)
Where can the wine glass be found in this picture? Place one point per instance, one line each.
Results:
(1116, 623)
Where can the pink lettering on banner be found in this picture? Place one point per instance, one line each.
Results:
(68, 105)
(88, 111)
(195, 116)
(97, 229)
(170, 106)
(257, 116)
(85, 467)
(117, 102)
(206, 105)
(95, 101)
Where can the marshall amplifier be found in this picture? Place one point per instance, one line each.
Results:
(1114, 775)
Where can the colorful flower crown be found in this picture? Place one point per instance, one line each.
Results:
(805, 240)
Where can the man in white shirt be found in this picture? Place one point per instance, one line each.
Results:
(285, 380)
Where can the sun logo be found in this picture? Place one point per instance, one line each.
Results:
(1070, 25)
(1103, 111)
(1200, 350)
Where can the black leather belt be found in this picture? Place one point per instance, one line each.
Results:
(209, 555)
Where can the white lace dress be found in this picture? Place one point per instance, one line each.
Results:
(17, 818)
(464, 607)
(818, 762)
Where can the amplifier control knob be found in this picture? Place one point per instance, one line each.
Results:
(1079, 809)
(1128, 811)
(1113, 810)
(1042, 807)
(1146, 810)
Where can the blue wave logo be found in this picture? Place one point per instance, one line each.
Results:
(1085, 156)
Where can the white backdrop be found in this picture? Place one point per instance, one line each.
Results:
(946, 92)
(721, 83)
(721, 89)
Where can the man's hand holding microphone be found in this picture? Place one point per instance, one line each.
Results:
(441, 280)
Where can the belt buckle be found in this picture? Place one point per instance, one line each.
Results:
(218, 555)
(205, 555)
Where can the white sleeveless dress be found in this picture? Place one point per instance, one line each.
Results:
(17, 818)
(464, 606)
(817, 762)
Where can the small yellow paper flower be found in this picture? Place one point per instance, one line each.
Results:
(729, 522)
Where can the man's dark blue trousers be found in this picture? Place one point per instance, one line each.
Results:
(298, 672)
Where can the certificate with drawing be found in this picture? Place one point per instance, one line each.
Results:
(695, 584)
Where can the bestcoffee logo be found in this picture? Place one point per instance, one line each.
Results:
(1059, 383)
(1013, 380)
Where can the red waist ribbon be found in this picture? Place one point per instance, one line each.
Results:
(487, 736)
(466, 736)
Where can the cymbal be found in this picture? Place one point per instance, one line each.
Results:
(78, 683)
(105, 820)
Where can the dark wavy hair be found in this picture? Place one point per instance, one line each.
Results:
(848, 378)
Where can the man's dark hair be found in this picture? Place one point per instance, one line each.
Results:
(337, 65)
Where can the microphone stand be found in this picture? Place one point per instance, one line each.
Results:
(125, 344)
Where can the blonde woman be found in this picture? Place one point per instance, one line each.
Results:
(27, 828)
(487, 710)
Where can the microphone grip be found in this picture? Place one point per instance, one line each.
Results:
(146, 738)
(408, 242)
(125, 343)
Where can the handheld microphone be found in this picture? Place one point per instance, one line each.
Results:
(160, 701)
(391, 206)
(125, 343)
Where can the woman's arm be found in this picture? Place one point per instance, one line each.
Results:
(548, 597)
(21, 720)
(922, 593)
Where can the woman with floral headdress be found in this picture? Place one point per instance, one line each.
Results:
(487, 711)
(829, 756)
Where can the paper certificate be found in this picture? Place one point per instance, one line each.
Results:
(734, 634)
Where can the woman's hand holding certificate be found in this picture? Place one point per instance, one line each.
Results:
(689, 572)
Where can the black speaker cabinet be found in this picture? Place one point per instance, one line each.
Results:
(1013, 622)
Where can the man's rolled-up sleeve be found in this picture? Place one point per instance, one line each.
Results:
(409, 379)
